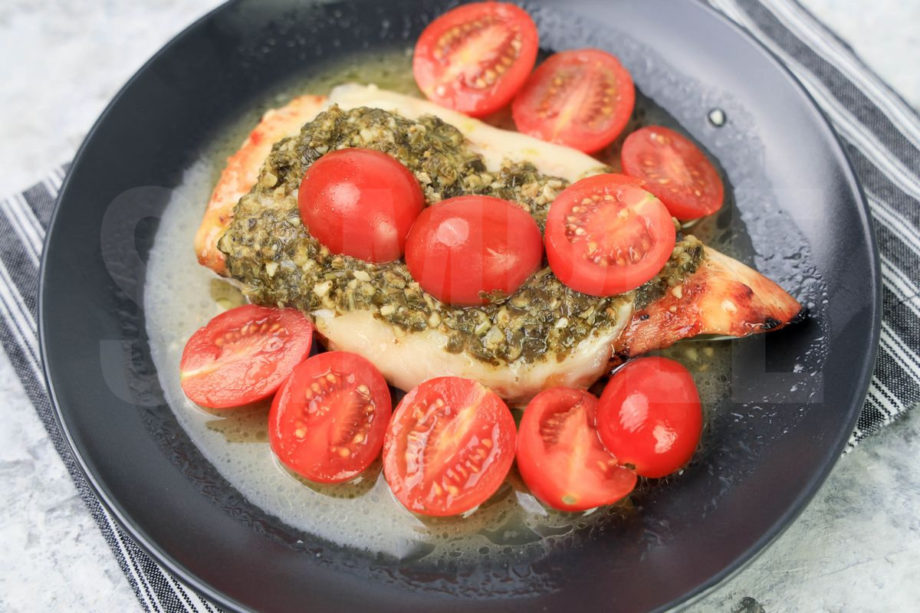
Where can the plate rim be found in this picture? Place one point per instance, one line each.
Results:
(106, 498)
(800, 503)
(147, 544)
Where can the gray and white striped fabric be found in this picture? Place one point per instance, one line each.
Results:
(880, 132)
(23, 220)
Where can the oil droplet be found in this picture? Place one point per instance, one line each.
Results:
(717, 117)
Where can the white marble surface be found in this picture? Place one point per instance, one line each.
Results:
(856, 547)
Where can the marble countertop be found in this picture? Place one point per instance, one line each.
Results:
(855, 547)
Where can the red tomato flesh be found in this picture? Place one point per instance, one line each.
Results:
(581, 98)
(328, 420)
(615, 177)
(605, 236)
(560, 456)
(448, 447)
(475, 57)
(243, 355)
(650, 416)
(675, 170)
(467, 247)
(361, 203)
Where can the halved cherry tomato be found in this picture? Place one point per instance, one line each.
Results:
(449, 446)
(475, 57)
(675, 170)
(560, 456)
(328, 420)
(467, 247)
(615, 177)
(650, 416)
(243, 355)
(361, 203)
(606, 237)
(581, 98)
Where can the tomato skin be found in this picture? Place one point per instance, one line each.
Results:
(675, 170)
(612, 245)
(328, 420)
(560, 456)
(475, 57)
(650, 416)
(243, 355)
(361, 203)
(616, 177)
(581, 98)
(468, 245)
(448, 447)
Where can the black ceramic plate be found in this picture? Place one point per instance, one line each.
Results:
(794, 395)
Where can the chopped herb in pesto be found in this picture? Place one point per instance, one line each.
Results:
(684, 261)
(270, 251)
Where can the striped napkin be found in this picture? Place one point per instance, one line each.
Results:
(880, 132)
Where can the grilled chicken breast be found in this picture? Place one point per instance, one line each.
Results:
(543, 335)
(242, 170)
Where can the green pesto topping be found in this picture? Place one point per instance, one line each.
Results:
(270, 251)
(683, 262)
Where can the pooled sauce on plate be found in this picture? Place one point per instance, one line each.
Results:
(181, 296)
